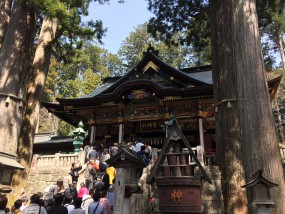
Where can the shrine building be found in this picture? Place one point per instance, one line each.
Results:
(137, 105)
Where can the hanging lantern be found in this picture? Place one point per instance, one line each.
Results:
(229, 105)
(216, 109)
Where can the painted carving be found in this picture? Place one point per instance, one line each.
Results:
(176, 195)
(150, 65)
(138, 94)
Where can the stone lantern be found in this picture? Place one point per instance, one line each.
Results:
(128, 169)
(258, 188)
(78, 135)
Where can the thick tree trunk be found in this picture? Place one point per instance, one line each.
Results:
(5, 12)
(15, 60)
(35, 87)
(245, 134)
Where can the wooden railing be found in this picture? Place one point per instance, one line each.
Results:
(57, 160)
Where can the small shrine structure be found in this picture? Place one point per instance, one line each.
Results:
(259, 189)
(178, 174)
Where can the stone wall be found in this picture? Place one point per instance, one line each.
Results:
(47, 169)
(212, 198)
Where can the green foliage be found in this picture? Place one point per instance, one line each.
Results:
(113, 64)
(82, 74)
(50, 92)
(72, 32)
(192, 20)
(134, 45)
(188, 18)
(64, 129)
(90, 81)
(78, 77)
(272, 27)
(176, 54)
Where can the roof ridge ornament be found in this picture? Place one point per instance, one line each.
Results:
(151, 49)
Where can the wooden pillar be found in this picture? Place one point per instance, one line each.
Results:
(92, 135)
(119, 191)
(201, 149)
(201, 134)
(121, 133)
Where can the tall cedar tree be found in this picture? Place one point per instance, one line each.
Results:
(5, 8)
(245, 134)
(36, 81)
(15, 60)
(21, 73)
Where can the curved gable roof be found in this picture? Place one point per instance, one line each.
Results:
(151, 60)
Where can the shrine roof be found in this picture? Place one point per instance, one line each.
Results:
(151, 63)
(202, 74)
(107, 83)
(125, 153)
(10, 161)
(52, 139)
(258, 178)
(205, 76)
(175, 134)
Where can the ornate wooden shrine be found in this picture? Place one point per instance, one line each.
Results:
(138, 104)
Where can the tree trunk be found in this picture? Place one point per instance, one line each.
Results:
(5, 12)
(15, 59)
(245, 133)
(35, 87)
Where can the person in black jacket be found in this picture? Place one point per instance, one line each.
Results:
(71, 191)
(57, 207)
(105, 178)
(74, 171)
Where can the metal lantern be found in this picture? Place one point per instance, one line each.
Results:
(78, 135)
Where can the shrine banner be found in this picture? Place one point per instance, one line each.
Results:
(147, 126)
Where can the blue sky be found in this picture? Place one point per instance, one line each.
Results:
(120, 19)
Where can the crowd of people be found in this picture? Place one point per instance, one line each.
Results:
(90, 189)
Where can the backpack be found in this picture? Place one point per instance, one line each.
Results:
(90, 173)
(102, 167)
(70, 193)
(49, 191)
